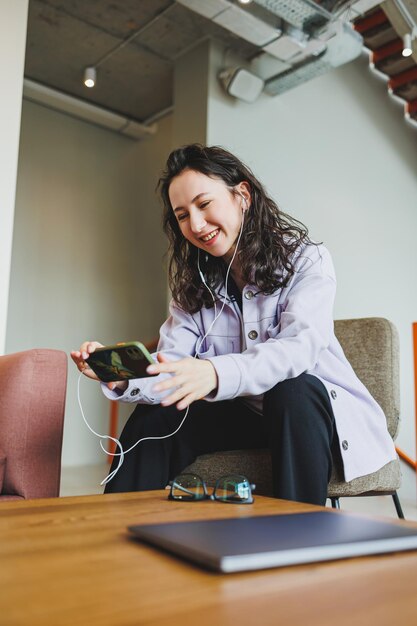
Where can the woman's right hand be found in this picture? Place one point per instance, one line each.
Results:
(80, 358)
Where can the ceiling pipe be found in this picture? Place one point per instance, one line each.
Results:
(85, 111)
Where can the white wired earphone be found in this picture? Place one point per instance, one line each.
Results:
(122, 452)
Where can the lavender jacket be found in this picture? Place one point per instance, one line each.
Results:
(276, 337)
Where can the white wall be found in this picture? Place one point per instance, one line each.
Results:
(337, 154)
(13, 18)
(87, 250)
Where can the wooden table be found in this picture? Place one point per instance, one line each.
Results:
(70, 561)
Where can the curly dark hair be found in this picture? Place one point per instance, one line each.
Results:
(269, 238)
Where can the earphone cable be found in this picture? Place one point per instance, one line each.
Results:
(122, 452)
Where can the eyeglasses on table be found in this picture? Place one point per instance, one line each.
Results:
(233, 488)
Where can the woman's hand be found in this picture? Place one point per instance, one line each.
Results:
(193, 379)
(80, 358)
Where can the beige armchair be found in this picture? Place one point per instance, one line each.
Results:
(371, 345)
(32, 400)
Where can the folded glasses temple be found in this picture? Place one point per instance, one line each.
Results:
(181, 488)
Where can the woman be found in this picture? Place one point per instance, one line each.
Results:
(249, 344)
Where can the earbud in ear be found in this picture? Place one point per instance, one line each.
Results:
(245, 203)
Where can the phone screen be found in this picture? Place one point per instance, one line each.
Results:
(121, 362)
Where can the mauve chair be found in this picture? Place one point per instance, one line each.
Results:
(371, 345)
(32, 402)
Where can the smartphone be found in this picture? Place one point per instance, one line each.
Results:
(121, 362)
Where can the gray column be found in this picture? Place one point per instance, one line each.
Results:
(191, 84)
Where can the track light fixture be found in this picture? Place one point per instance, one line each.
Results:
(90, 76)
(407, 45)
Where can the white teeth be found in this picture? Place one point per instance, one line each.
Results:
(210, 236)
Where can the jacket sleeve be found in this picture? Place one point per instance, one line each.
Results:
(178, 338)
(303, 330)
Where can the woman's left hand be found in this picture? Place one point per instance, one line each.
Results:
(193, 379)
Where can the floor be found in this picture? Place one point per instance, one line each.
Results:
(85, 480)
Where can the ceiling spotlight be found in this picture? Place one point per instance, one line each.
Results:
(245, 1)
(407, 49)
(90, 76)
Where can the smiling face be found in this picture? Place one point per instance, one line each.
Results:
(208, 213)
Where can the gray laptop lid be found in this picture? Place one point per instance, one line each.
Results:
(232, 545)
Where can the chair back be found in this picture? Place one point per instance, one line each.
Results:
(32, 400)
(371, 346)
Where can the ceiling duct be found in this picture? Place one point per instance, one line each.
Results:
(247, 26)
(246, 23)
(82, 110)
(344, 46)
(297, 40)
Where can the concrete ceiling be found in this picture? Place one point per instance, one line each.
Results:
(65, 36)
(133, 44)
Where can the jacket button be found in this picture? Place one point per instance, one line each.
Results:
(134, 392)
(333, 394)
(252, 334)
(345, 444)
(249, 295)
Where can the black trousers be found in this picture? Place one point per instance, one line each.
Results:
(297, 425)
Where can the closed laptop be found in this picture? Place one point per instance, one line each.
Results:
(250, 543)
